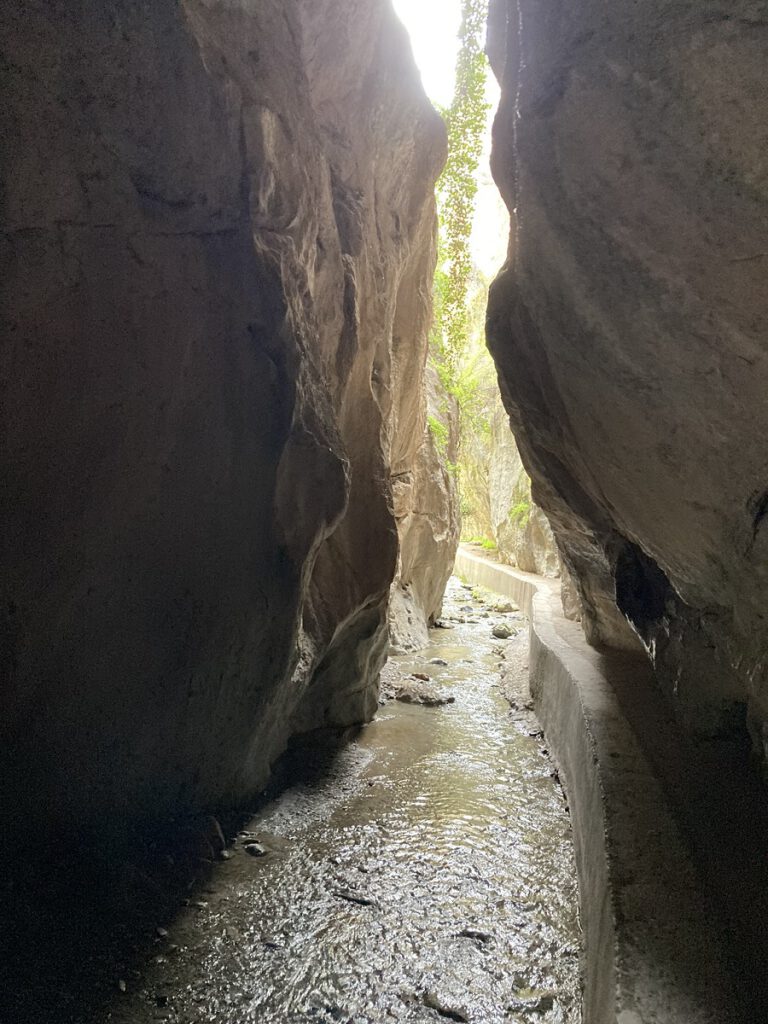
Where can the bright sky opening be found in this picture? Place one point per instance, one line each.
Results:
(433, 26)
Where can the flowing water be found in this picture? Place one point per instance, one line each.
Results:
(427, 876)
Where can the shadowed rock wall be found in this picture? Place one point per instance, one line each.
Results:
(210, 211)
(629, 324)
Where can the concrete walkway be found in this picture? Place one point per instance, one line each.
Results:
(648, 820)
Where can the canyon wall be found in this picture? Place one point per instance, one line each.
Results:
(522, 533)
(629, 324)
(427, 513)
(218, 248)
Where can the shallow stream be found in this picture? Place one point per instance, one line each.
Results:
(427, 876)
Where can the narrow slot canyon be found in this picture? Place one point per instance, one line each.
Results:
(384, 566)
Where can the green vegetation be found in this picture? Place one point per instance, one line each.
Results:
(483, 542)
(465, 121)
(439, 432)
(521, 513)
(471, 416)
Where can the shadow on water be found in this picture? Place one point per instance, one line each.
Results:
(420, 873)
(76, 919)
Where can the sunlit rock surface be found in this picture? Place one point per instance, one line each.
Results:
(426, 509)
(629, 325)
(216, 261)
(521, 530)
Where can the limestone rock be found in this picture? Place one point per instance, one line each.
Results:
(415, 691)
(629, 325)
(218, 241)
(426, 509)
(520, 528)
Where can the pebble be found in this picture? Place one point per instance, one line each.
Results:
(528, 1001)
(432, 1001)
(350, 897)
(472, 933)
(437, 661)
(255, 850)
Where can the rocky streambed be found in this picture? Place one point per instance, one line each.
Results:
(426, 874)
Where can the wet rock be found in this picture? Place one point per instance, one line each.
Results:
(352, 897)
(420, 675)
(417, 692)
(391, 677)
(501, 631)
(472, 933)
(214, 833)
(255, 850)
(503, 607)
(532, 1002)
(437, 661)
(434, 1002)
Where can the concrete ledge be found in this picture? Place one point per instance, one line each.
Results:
(652, 951)
(519, 587)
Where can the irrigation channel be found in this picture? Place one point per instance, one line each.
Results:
(426, 875)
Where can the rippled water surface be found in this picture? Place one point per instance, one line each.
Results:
(428, 876)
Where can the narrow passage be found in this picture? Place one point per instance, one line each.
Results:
(428, 876)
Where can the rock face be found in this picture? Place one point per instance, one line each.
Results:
(426, 509)
(630, 322)
(521, 531)
(217, 256)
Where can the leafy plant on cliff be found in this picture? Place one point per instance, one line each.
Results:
(521, 512)
(439, 432)
(465, 121)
